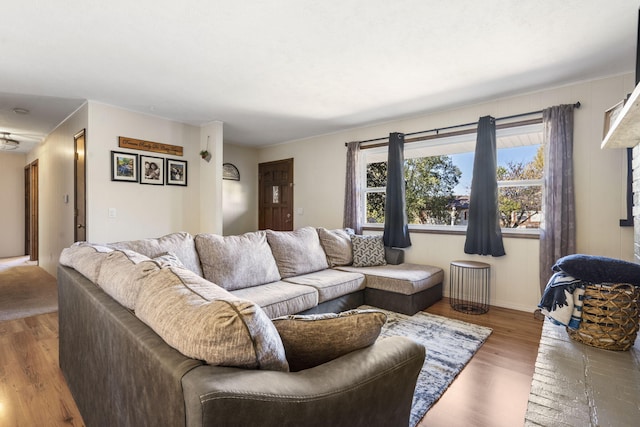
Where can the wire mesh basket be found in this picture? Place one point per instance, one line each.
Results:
(609, 316)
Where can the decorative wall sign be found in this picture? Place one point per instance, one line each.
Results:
(124, 167)
(151, 170)
(156, 147)
(176, 172)
(229, 171)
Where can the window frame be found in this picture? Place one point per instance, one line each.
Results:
(378, 150)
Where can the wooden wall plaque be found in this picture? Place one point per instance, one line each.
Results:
(156, 147)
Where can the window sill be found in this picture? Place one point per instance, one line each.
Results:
(459, 230)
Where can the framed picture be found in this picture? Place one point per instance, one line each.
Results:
(610, 117)
(151, 170)
(176, 172)
(124, 167)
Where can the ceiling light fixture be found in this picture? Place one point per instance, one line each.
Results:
(6, 143)
(19, 110)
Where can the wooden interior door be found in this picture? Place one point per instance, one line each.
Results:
(27, 210)
(31, 210)
(79, 189)
(275, 197)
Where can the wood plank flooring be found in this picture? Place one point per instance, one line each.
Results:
(33, 391)
(492, 390)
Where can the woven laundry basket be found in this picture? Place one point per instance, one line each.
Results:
(609, 316)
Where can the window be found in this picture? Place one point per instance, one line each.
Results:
(438, 177)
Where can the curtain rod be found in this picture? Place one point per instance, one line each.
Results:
(437, 130)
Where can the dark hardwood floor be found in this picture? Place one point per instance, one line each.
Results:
(492, 390)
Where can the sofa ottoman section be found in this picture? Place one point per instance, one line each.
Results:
(405, 288)
(280, 298)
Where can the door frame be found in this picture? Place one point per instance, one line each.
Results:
(80, 196)
(31, 198)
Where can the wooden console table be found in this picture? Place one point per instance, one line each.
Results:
(578, 385)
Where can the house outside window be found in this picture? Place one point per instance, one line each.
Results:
(438, 175)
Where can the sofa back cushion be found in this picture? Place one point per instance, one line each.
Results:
(337, 245)
(181, 244)
(123, 272)
(237, 262)
(297, 252)
(85, 258)
(203, 321)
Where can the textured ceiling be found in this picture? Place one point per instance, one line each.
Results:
(280, 70)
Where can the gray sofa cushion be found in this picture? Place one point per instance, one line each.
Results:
(331, 284)
(203, 321)
(337, 245)
(236, 262)
(121, 274)
(181, 244)
(312, 340)
(280, 298)
(297, 252)
(406, 278)
(85, 258)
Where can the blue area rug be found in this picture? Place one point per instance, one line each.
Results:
(450, 345)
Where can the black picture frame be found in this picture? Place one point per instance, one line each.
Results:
(176, 171)
(151, 170)
(124, 166)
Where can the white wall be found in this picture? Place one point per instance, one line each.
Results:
(12, 201)
(600, 181)
(56, 177)
(240, 198)
(211, 139)
(141, 210)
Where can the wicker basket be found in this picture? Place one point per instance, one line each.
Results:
(609, 316)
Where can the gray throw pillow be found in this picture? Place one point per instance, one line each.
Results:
(368, 251)
(311, 340)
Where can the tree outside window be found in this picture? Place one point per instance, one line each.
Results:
(429, 189)
(520, 192)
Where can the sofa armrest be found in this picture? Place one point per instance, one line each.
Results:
(119, 371)
(393, 256)
(371, 386)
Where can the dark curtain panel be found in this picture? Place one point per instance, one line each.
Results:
(396, 230)
(483, 231)
(558, 228)
(352, 201)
